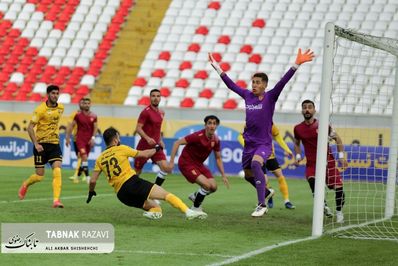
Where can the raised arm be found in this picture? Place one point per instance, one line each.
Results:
(301, 58)
(228, 82)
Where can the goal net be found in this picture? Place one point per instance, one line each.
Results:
(359, 92)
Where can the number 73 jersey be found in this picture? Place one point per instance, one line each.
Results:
(114, 162)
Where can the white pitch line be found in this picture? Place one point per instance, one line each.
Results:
(46, 199)
(173, 253)
(260, 251)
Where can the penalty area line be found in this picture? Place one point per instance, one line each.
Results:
(260, 251)
(49, 199)
(152, 252)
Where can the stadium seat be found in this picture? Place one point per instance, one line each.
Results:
(187, 103)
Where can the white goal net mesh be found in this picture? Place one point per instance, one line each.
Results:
(363, 81)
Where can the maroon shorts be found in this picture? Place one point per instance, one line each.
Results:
(140, 162)
(192, 171)
(333, 177)
(83, 147)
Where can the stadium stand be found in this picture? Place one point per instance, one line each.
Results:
(69, 42)
(252, 35)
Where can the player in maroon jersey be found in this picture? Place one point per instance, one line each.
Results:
(198, 147)
(149, 126)
(86, 122)
(307, 133)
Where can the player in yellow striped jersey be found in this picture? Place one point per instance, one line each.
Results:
(273, 166)
(45, 140)
(132, 190)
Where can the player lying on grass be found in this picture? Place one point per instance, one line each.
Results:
(130, 188)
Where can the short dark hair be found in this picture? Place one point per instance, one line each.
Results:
(154, 90)
(85, 99)
(261, 75)
(307, 101)
(51, 88)
(109, 134)
(207, 118)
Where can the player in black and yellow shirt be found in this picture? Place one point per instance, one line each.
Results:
(130, 188)
(45, 140)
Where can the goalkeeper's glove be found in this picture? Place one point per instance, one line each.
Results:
(158, 147)
(307, 56)
(90, 195)
(215, 65)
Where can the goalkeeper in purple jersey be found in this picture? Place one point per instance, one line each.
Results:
(260, 106)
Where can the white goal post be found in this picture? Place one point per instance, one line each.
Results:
(359, 74)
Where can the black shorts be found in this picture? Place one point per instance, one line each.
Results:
(135, 191)
(271, 165)
(50, 154)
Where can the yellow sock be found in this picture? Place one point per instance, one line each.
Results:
(33, 179)
(57, 183)
(176, 202)
(283, 187)
(155, 209)
(79, 161)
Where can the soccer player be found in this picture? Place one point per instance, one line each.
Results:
(45, 141)
(198, 147)
(273, 166)
(260, 106)
(307, 133)
(149, 128)
(74, 130)
(130, 188)
(86, 122)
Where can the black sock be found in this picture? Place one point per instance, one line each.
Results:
(160, 177)
(200, 196)
(311, 182)
(85, 170)
(159, 181)
(340, 198)
(79, 173)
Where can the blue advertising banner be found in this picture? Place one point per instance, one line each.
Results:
(368, 162)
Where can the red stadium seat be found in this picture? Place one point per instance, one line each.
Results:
(35, 97)
(26, 87)
(201, 74)
(83, 90)
(21, 96)
(158, 73)
(202, 30)
(182, 83)
(32, 51)
(165, 55)
(140, 82)
(225, 66)
(68, 89)
(206, 93)
(230, 104)
(187, 103)
(13, 87)
(194, 47)
(241, 83)
(7, 96)
(247, 48)
(225, 39)
(185, 65)
(214, 5)
(259, 23)
(165, 92)
(217, 57)
(255, 58)
(144, 100)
